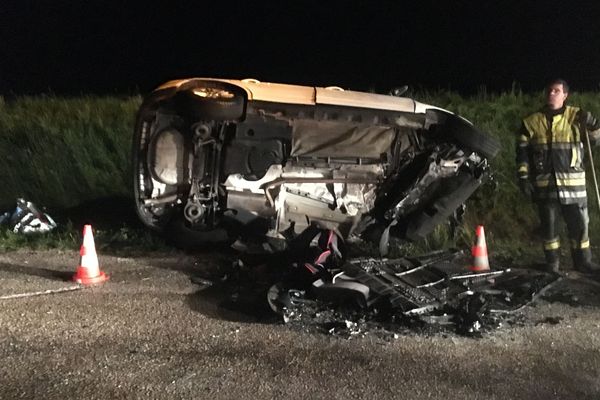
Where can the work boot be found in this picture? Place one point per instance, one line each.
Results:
(582, 260)
(552, 260)
(553, 267)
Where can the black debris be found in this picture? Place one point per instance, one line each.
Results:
(312, 287)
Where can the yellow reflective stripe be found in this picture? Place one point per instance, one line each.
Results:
(552, 245)
(560, 182)
(577, 245)
(523, 168)
(573, 156)
(570, 182)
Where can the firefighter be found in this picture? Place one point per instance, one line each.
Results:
(550, 167)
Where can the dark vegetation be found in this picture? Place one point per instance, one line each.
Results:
(72, 156)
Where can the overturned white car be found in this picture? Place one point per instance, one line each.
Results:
(216, 157)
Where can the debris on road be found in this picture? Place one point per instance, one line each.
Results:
(315, 286)
(429, 293)
(27, 219)
(205, 283)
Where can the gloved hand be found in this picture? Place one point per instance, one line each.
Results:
(594, 137)
(526, 187)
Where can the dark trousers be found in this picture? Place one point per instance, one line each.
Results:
(576, 218)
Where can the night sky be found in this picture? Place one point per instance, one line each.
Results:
(128, 47)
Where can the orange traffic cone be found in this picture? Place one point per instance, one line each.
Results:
(479, 251)
(88, 272)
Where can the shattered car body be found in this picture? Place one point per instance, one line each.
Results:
(212, 156)
(27, 219)
(312, 286)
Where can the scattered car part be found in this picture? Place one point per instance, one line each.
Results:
(27, 218)
(436, 288)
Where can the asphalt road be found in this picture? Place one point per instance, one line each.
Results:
(151, 333)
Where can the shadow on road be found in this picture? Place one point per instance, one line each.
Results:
(219, 302)
(576, 290)
(35, 271)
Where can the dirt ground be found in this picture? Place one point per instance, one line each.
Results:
(150, 332)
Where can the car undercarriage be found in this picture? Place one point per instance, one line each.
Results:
(213, 159)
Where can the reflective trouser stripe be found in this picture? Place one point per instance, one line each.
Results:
(585, 244)
(523, 168)
(552, 244)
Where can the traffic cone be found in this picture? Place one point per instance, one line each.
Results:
(479, 252)
(88, 272)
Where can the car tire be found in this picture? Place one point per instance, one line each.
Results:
(471, 137)
(211, 109)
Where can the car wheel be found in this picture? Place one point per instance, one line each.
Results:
(210, 109)
(471, 137)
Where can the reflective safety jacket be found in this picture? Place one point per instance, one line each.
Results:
(550, 153)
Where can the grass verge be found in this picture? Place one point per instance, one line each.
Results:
(65, 153)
